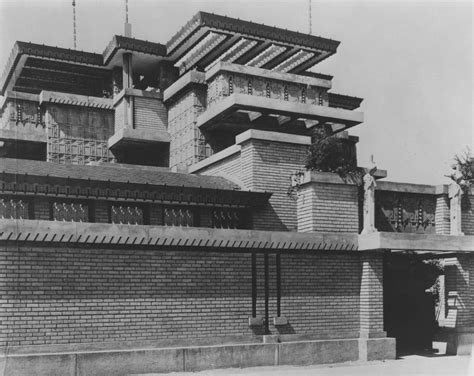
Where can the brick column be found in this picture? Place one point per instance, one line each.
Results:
(459, 277)
(442, 215)
(373, 343)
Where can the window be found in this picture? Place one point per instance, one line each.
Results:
(128, 215)
(178, 216)
(70, 212)
(13, 209)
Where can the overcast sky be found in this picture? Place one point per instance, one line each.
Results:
(412, 62)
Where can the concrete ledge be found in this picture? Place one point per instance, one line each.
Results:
(267, 74)
(273, 137)
(194, 358)
(377, 349)
(75, 100)
(411, 188)
(130, 92)
(215, 158)
(295, 110)
(459, 341)
(416, 242)
(126, 136)
(186, 238)
(17, 95)
(190, 78)
(21, 133)
(318, 352)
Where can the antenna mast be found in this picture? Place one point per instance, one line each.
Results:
(310, 19)
(127, 26)
(74, 23)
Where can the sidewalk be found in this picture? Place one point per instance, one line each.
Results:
(419, 365)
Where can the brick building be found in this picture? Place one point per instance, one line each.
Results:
(146, 224)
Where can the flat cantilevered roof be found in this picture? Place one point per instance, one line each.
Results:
(209, 38)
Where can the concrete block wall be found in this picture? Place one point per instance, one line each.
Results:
(326, 207)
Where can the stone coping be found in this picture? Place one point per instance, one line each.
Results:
(24, 134)
(266, 74)
(130, 135)
(15, 95)
(130, 92)
(170, 343)
(295, 110)
(416, 242)
(105, 235)
(245, 136)
(183, 238)
(75, 100)
(412, 188)
(215, 158)
(333, 178)
(272, 136)
(190, 78)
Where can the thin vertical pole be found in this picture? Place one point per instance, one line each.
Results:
(267, 293)
(74, 23)
(310, 19)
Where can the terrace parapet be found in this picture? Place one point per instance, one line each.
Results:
(245, 97)
(140, 117)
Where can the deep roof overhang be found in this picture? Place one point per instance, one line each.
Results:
(207, 38)
(22, 50)
(218, 114)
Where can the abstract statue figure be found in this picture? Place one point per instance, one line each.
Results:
(455, 195)
(369, 199)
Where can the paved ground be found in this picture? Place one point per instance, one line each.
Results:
(424, 365)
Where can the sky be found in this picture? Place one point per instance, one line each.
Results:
(411, 61)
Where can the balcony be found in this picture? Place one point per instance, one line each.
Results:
(243, 97)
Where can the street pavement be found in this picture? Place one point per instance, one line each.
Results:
(410, 365)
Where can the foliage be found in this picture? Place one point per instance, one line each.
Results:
(463, 167)
(329, 153)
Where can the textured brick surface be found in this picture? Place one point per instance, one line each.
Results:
(87, 295)
(459, 291)
(371, 293)
(320, 293)
(467, 215)
(328, 208)
(150, 114)
(266, 166)
(442, 215)
(74, 295)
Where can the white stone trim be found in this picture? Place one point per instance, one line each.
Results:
(273, 137)
(231, 150)
(267, 74)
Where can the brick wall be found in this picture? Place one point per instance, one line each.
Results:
(467, 215)
(371, 293)
(86, 295)
(270, 165)
(320, 293)
(75, 295)
(266, 166)
(442, 217)
(328, 208)
(459, 291)
(41, 208)
(150, 113)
